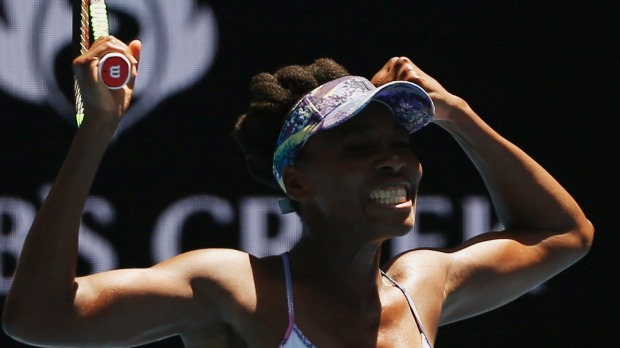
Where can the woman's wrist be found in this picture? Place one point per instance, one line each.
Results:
(450, 112)
(98, 125)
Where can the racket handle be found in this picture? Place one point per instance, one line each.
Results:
(114, 70)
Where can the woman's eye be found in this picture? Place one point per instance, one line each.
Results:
(357, 147)
(401, 144)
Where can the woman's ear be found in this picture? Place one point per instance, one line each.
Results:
(296, 183)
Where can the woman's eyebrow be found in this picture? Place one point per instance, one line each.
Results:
(361, 128)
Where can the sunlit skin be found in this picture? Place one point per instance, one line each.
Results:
(228, 298)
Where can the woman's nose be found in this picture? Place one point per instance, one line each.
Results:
(392, 163)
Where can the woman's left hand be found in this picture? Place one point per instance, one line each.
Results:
(403, 69)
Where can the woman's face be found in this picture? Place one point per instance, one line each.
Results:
(363, 174)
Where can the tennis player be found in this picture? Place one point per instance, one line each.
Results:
(338, 147)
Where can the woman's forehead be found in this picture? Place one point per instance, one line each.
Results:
(376, 117)
(371, 122)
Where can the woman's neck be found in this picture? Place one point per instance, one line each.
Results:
(337, 263)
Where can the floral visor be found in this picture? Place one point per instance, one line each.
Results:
(335, 102)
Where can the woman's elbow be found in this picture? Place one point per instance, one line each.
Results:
(586, 235)
(578, 240)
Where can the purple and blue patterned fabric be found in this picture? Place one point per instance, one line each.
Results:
(333, 103)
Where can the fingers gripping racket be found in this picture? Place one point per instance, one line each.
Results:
(90, 22)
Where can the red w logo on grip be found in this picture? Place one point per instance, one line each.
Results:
(114, 70)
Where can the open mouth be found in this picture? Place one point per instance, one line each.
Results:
(389, 195)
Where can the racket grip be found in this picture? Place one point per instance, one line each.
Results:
(114, 70)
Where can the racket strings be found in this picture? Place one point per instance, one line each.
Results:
(84, 27)
(93, 18)
(99, 20)
(84, 46)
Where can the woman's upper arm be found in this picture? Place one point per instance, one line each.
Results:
(134, 306)
(495, 268)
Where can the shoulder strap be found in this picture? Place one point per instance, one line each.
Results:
(411, 306)
(289, 296)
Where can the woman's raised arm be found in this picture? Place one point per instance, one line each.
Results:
(546, 231)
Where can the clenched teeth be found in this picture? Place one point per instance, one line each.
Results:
(389, 195)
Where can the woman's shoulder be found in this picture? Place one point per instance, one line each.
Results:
(228, 268)
(423, 272)
(418, 264)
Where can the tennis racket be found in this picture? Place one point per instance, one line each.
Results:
(90, 22)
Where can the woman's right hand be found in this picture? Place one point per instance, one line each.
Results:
(101, 103)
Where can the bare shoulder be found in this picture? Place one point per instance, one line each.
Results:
(424, 273)
(209, 263)
(419, 265)
(227, 272)
(244, 288)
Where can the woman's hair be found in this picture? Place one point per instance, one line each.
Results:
(273, 96)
